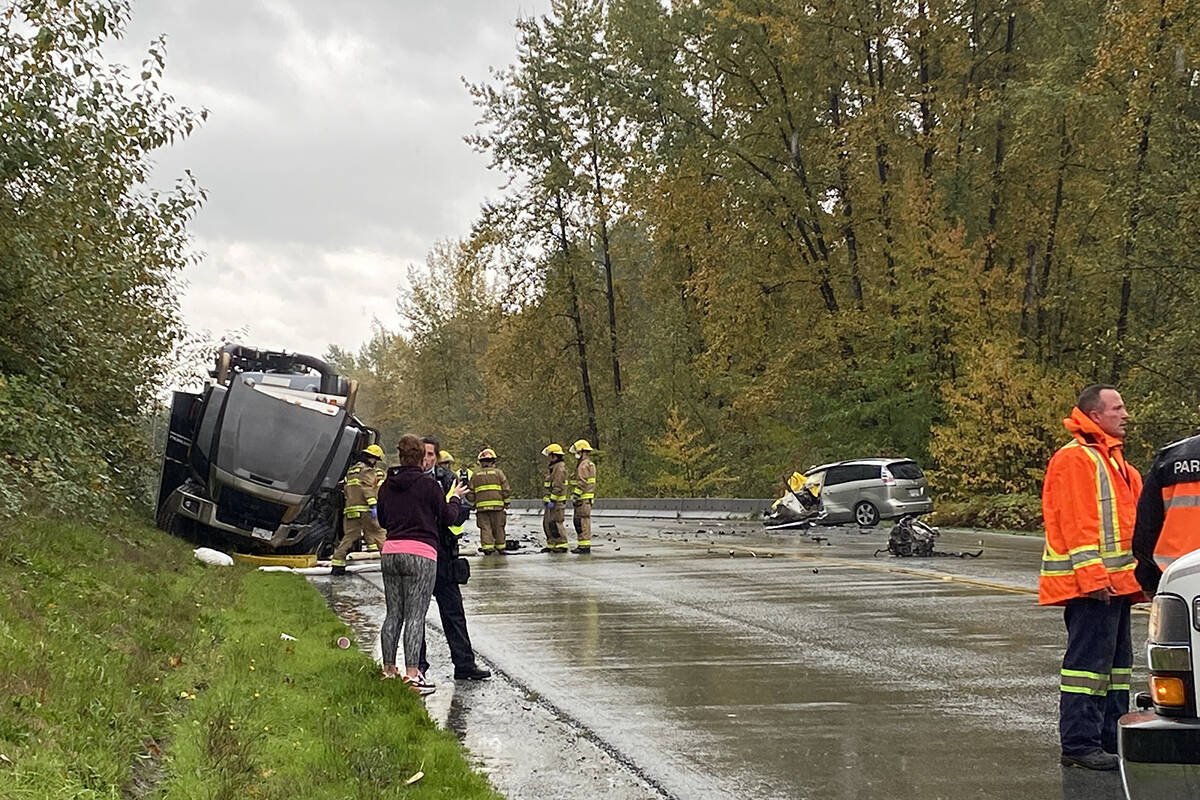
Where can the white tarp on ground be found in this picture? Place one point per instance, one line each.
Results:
(323, 570)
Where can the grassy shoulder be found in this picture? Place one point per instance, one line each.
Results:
(129, 669)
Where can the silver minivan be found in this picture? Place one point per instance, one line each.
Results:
(866, 490)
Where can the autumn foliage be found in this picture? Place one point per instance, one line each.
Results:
(815, 231)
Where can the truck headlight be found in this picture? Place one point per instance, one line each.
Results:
(1169, 620)
(1169, 655)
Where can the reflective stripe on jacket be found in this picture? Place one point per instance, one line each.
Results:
(554, 484)
(361, 483)
(585, 480)
(1168, 513)
(489, 489)
(1089, 502)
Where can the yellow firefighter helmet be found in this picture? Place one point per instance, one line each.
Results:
(581, 446)
(553, 449)
(374, 450)
(444, 457)
(487, 454)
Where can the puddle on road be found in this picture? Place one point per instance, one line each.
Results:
(523, 746)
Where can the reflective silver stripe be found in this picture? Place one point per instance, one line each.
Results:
(1081, 682)
(1164, 561)
(1119, 562)
(1054, 564)
(1083, 557)
(1183, 501)
(1106, 500)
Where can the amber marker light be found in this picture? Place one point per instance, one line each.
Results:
(1168, 691)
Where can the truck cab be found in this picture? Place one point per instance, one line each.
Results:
(1159, 745)
(256, 458)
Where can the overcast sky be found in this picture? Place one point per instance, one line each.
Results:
(333, 153)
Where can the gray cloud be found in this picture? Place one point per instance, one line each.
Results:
(333, 154)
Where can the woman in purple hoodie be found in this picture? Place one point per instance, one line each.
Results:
(411, 507)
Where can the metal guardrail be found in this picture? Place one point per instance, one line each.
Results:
(668, 507)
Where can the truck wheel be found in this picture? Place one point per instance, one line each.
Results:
(866, 514)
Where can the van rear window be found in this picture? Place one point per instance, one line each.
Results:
(906, 470)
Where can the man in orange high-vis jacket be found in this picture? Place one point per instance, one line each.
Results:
(1089, 501)
(1168, 512)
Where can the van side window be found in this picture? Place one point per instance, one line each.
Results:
(836, 475)
(864, 472)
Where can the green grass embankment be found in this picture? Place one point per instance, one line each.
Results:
(128, 669)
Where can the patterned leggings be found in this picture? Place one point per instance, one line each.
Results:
(407, 586)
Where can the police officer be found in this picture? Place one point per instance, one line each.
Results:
(445, 587)
(359, 517)
(1168, 511)
(582, 496)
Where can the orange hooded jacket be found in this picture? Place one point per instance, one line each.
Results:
(1089, 501)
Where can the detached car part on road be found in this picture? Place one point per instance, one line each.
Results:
(912, 538)
(1160, 745)
(256, 458)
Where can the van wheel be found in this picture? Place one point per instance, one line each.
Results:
(866, 514)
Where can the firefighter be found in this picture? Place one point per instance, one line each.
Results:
(554, 499)
(1168, 512)
(359, 517)
(489, 494)
(1089, 502)
(582, 496)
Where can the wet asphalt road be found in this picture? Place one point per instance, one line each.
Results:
(704, 659)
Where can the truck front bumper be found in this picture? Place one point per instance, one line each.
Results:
(1160, 756)
(204, 511)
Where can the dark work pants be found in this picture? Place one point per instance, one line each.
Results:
(1098, 645)
(454, 619)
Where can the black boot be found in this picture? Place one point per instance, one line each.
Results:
(337, 569)
(474, 672)
(1097, 759)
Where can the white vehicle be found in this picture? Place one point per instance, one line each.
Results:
(1160, 744)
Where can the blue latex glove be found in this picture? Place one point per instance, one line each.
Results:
(375, 513)
(549, 505)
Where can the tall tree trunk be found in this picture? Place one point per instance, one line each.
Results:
(989, 260)
(1135, 210)
(927, 119)
(1040, 334)
(573, 311)
(875, 80)
(1029, 299)
(847, 226)
(606, 256)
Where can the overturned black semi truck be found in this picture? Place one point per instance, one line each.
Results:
(255, 459)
